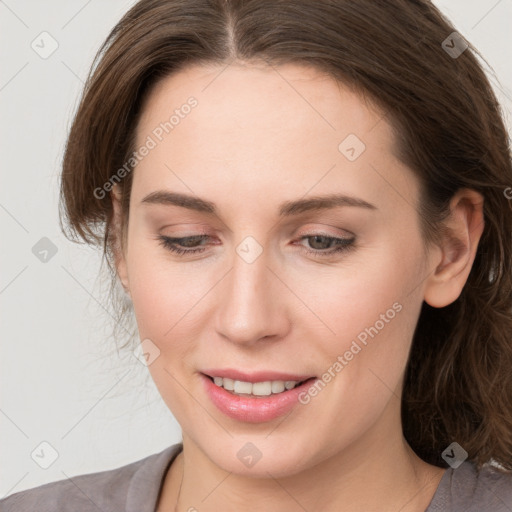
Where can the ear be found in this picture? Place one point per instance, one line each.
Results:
(119, 250)
(454, 258)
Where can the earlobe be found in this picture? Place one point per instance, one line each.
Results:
(120, 259)
(461, 235)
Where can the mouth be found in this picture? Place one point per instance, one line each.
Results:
(255, 400)
(259, 389)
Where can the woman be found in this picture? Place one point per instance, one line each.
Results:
(308, 206)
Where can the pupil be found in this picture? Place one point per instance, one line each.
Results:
(318, 238)
(188, 242)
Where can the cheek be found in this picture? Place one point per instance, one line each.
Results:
(363, 362)
(163, 300)
(344, 302)
(367, 315)
(162, 291)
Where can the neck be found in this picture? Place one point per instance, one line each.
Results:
(380, 473)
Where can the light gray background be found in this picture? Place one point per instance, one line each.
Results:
(61, 379)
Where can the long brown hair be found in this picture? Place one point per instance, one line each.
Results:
(402, 55)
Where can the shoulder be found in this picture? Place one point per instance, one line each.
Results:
(107, 491)
(495, 488)
(470, 489)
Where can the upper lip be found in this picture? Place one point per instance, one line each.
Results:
(259, 376)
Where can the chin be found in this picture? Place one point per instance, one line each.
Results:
(258, 455)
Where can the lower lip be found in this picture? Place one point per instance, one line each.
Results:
(254, 410)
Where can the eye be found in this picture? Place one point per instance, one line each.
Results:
(334, 245)
(319, 242)
(172, 244)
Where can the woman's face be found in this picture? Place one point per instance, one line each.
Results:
(278, 291)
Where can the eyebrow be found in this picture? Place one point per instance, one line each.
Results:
(286, 209)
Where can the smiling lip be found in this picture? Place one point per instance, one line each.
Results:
(254, 409)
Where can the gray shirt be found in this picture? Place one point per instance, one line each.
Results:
(136, 488)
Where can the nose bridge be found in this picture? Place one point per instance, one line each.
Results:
(247, 309)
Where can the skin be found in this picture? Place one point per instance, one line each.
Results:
(260, 136)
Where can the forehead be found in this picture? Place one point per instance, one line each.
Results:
(257, 125)
(289, 98)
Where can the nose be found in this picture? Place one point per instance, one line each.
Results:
(252, 303)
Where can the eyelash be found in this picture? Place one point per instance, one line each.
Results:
(344, 245)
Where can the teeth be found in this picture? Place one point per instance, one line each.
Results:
(265, 388)
(278, 386)
(228, 384)
(262, 388)
(242, 387)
